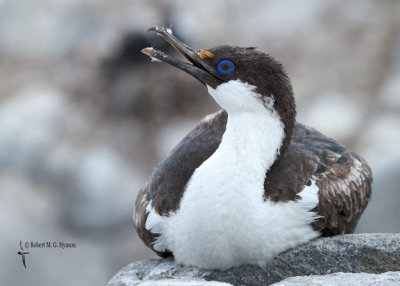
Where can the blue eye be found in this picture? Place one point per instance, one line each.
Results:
(226, 66)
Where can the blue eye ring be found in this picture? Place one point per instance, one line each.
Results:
(224, 62)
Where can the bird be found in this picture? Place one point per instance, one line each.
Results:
(22, 252)
(249, 181)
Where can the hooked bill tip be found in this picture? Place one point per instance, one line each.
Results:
(154, 28)
(159, 30)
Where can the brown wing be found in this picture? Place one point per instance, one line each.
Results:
(168, 179)
(344, 179)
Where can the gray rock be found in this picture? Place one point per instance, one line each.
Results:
(344, 279)
(355, 253)
(181, 282)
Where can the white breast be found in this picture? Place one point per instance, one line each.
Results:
(223, 220)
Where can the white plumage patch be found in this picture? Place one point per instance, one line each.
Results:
(223, 220)
(309, 196)
(269, 102)
(155, 223)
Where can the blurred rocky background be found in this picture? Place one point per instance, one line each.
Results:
(84, 116)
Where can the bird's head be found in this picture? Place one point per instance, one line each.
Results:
(239, 79)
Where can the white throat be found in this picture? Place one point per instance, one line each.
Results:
(254, 133)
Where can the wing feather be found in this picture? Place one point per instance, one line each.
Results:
(344, 184)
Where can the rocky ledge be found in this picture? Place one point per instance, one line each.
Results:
(341, 260)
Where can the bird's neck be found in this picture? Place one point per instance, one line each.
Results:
(257, 132)
(252, 141)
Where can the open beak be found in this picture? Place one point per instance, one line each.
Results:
(196, 66)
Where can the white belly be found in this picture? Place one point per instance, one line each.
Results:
(223, 221)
